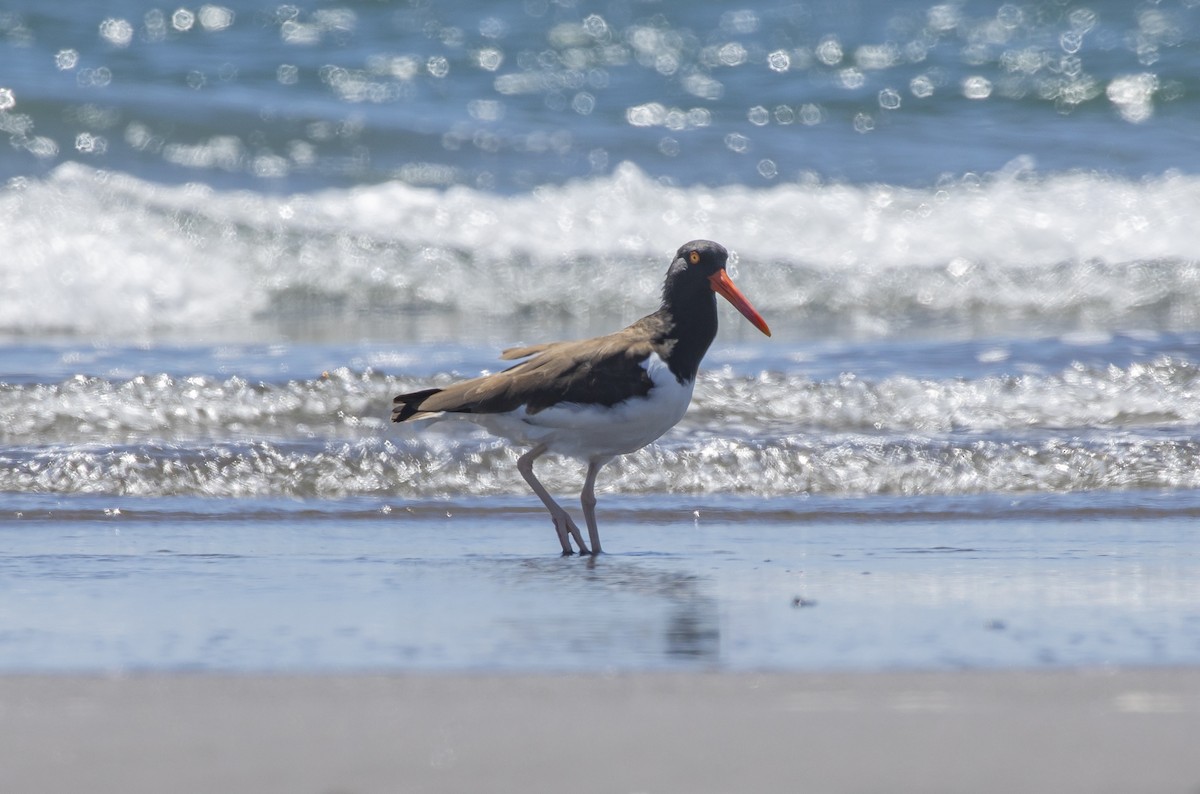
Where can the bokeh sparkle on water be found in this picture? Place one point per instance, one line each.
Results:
(541, 92)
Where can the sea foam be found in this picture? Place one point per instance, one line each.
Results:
(94, 252)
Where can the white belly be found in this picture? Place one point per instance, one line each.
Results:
(595, 432)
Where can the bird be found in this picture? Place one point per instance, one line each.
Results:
(595, 399)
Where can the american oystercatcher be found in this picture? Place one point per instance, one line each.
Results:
(598, 398)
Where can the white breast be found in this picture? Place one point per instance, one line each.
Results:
(596, 431)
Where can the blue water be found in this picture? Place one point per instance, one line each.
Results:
(231, 233)
(294, 97)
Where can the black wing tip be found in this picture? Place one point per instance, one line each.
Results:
(409, 405)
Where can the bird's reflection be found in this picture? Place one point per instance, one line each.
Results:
(633, 611)
(694, 633)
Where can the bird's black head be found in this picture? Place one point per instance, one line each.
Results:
(697, 271)
(700, 258)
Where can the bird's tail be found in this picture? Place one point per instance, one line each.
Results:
(408, 406)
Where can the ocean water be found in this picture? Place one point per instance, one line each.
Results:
(230, 233)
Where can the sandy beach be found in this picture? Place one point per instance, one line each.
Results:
(1058, 731)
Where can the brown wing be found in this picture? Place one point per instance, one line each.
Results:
(603, 371)
(514, 353)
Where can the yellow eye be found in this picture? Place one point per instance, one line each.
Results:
(694, 257)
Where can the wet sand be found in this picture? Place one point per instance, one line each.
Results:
(1056, 731)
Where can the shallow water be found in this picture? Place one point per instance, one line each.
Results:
(470, 587)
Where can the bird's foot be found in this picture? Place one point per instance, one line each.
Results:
(567, 531)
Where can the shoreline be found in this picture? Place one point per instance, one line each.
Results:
(1061, 730)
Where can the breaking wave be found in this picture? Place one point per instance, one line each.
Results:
(106, 253)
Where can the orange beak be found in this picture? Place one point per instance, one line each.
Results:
(723, 286)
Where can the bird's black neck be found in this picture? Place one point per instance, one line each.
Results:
(689, 323)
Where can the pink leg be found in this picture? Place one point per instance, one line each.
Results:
(588, 499)
(563, 524)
